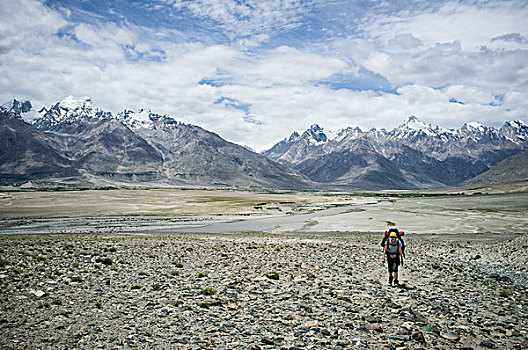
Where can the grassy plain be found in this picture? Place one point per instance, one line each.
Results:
(155, 202)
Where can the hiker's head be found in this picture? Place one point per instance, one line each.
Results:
(392, 236)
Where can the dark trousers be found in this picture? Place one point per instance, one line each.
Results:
(393, 263)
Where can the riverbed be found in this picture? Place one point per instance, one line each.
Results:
(152, 212)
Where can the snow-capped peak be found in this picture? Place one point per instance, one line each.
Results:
(414, 123)
(474, 126)
(137, 120)
(18, 106)
(413, 127)
(341, 134)
(473, 130)
(294, 136)
(315, 135)
(515, 130)
(69, 110)
(21, 109)
(72, 103)
(517, 124)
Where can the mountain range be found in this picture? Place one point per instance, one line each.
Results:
(413, 155)
(78, 141)
(75, 141)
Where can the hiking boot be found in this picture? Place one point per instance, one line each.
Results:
(390, 280)
(396, 282)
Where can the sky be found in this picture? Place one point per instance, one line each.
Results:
(254, 71)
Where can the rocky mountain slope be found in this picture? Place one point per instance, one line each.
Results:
(83, 141)
(26, 152)
(514, 168)
(411, 156)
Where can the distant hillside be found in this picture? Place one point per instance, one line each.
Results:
(512, 169)
(414, 155)
(76, 139)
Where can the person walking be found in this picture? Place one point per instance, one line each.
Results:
(393, 252)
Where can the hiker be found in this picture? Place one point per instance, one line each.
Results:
(399, 234)
(393, 252)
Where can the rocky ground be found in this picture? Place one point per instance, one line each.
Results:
(258, 291)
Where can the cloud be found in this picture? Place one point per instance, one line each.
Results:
(511, 37)
(451, 21)
(284, 66)
(23, 20)
(245, 18)
(439, 45)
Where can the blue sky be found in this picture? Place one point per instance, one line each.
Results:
(254, 71)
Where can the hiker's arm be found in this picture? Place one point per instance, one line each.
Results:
(384, 252)
(401, 254)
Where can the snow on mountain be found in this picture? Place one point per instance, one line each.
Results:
(414, 128)
(414, 124)
(21, 109)
(515, 130)
(137, 120)
(18, 106)
(315, 135)
(70, 110)
(473, 129)
(336, 136)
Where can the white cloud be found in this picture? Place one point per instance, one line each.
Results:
(471, 23)
(245, 18)
(23, 19)
(284, 66)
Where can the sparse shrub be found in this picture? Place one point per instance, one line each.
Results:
(99, 305)
(3, 262)
(104, 261)
(56, 302)
(208, 291)
(245, 267)
(175, 272)
(143, 273)
(202, 274)
(178, 264)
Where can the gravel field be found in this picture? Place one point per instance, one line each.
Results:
(261, 291)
